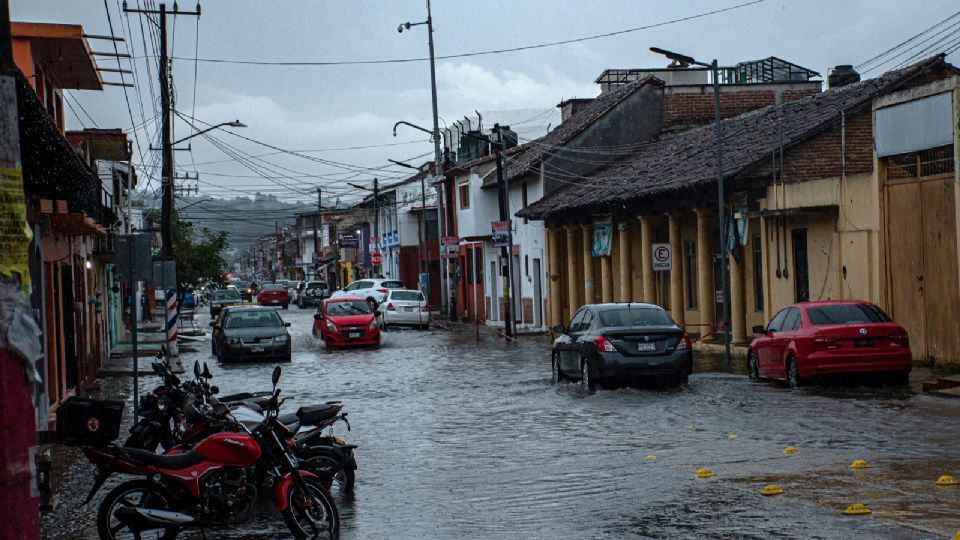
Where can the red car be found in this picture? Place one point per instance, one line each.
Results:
(812, 339)
(274, 294)
(346, 321)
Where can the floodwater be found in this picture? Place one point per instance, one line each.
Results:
(465, 439)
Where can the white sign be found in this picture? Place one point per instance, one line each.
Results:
(662, 257)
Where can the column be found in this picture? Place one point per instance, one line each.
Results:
(677, 305)
(738, 314)
(625, 279)
(553, 277)
(705, 294)
(646, 250)
(606, 279)
(572, 302)
(589, 294)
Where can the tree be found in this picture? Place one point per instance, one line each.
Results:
(200, 253)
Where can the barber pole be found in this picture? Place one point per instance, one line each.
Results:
(172, 322)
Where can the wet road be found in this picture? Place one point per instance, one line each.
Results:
(466, 440)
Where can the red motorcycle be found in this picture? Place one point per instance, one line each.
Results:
(215, 483)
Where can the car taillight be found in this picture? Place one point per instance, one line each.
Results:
(684, 343)
(826, 340)
(425, 308)
(382, 290)
(899, 340)
(390, 307)
(330, 326)
(603, 344)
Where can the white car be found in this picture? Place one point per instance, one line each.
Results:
(371, 290)
(404, 307)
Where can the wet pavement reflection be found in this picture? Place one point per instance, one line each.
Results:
(460, 439)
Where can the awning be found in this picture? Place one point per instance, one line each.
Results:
(75, 224)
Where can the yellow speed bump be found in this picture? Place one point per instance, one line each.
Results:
(651, 456)
(857, 510)
(705, 473)
(771, 489)
(956, 536)
(860, 464)
(689, 426)
(947, 481)
(731, 436)
(789, 450)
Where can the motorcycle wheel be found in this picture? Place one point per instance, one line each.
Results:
(138, 493)
(334, 476)
(313, 521)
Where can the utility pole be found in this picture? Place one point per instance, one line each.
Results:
(317, 220)
(19, 508)
(437, 162)
(506, 252)
(376, 220)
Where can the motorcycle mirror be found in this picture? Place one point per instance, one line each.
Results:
(276, 376)
(206, 372)
(215, 389)
(196, 369)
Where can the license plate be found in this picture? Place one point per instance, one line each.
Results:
(646, 347)
(409, 309)
(256, 348)
(863, 343)
(353, 335)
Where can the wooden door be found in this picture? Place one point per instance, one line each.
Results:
(941, 290)
(905, 263)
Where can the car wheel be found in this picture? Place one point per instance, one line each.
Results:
(899, 378)
(793, 373)
(286, 306)
(556, 376)
(753, 370)
(683, 379)
(586, 381)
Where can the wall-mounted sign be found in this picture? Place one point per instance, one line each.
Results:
(500, 230)
(348, 241)
(450, 247)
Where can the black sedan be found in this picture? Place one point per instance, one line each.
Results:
(223, 298)
(252, 334)
(605, 343)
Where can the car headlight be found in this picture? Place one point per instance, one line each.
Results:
(330, 326)
(282, 338)
(233, 340)
(373, 324)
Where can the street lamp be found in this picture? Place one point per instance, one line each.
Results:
(424, 266)
(435, 134)
(683, 61)
(235, 123)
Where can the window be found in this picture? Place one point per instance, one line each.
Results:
(691, 268)
(801, 276)
(575, 321)
(628, 316)
(777, 321)
(391, 285)
(413, 296)
(274, 287)
(355, 307)
(846, 314)
(526, 264)
(463, 195)
(792, 321)
(757, 274)
(253, 319)
(930, 162)
(524, 203)
(587, 321)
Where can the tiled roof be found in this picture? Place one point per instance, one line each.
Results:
(572, 127)
(686, 160)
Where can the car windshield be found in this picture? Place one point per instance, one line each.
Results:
(846, 314)
(353, 307)
(253, 319)
(226, 295)
(391, 285)
(274, 287)
(635, 316)
(414, 296)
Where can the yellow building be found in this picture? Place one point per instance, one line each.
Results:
(822, 214)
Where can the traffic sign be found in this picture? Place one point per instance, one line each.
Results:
(376, 258)
(662, 257)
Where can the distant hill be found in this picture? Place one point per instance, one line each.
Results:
(245, 219)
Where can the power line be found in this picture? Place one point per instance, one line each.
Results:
(476, 53)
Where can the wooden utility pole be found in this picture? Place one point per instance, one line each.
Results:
(317, 220)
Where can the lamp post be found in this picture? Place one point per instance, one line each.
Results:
(684, 60)
(437, 156)
(421, 226)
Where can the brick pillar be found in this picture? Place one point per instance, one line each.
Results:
(646, 251)
(572, 301)
(589, 285)
(677, 304)
(625, 279)
(705, 293)
(553, 279)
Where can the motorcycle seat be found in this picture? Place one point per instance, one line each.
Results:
(165, 461)
(289, 419)
(314, 414)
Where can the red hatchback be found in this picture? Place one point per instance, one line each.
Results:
(811, 339)
(274, 294)
(346, 321)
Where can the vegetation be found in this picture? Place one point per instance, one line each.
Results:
(199, 253)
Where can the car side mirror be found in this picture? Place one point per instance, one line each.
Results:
(759, 329)
(318, 316)
(286, 324)
(559, 329)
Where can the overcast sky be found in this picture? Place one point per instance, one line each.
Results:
(331, 107)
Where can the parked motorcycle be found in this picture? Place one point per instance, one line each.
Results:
(217, 482)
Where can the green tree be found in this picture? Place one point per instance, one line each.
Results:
(199, 253)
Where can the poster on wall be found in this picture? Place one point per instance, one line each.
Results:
(602, 237)
(500, 231)
(737, 229)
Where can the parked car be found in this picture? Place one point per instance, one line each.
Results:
(346, 321)
(274, 294)
(371, 290)
(404, 307)
(313, 294)
(808, 340)
(216, 326)
(629, 342)
(225, 297)
(252, 333)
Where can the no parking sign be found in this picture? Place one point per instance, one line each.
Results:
(662, 257)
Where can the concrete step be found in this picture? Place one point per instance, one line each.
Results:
(942, 384)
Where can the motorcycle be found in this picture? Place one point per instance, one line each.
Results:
(217, 482)
(165, 422)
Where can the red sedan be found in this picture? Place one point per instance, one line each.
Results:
(811, 339)
(274, 294)
(346, 321)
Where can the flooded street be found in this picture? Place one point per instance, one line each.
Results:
(465, 440)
